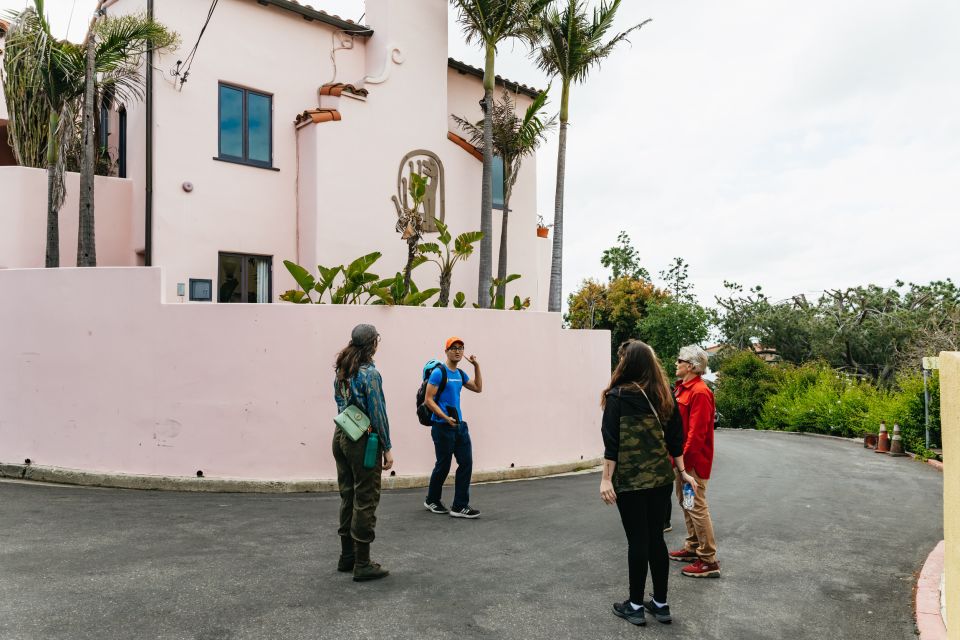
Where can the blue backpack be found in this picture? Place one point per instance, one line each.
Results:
(423, 411)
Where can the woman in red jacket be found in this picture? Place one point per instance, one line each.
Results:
(695, 401)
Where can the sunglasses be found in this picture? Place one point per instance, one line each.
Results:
(683, 361)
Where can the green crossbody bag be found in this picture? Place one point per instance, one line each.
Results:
(353, 421)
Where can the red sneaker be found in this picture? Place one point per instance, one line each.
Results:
(683, 555)
(701, 569)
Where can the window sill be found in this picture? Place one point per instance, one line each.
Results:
(246, 164)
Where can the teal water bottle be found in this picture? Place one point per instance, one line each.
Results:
(372, 452)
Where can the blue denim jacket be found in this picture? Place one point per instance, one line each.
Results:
(366, 392)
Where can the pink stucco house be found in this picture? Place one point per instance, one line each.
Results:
(276, 132)
(281, 137)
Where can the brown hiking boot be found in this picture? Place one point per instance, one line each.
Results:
(347, 558)
(363, 569)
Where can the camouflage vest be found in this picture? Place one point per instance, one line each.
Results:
(643, 461)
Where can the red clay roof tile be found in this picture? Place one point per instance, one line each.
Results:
(466, 146)
(317, 116)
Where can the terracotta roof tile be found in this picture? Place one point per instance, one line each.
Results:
(516, 87)
(310, 14)
(316, 116)
(466, 146)
(336, 88)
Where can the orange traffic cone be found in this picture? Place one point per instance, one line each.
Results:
(883, 441)
(896, 444)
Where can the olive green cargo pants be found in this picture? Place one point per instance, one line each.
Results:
(359, 488)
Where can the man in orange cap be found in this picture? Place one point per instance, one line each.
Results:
(450, 435)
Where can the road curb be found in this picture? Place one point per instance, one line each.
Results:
(936, 464)
(927, 605)
(39, 473)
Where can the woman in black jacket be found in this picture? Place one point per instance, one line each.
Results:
(641, 431)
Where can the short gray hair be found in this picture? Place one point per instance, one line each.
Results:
(696, 356)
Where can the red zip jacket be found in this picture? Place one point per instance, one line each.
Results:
(697, 411)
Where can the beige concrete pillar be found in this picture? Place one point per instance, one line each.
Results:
(950, 421)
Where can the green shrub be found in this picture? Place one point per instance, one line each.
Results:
(743, 383)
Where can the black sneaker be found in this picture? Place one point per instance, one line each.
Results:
(435, 507)
(662, 614)
(465, 512)
(626, 611)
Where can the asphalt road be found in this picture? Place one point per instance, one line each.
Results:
(817, 539)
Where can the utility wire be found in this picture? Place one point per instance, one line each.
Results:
(187, 62)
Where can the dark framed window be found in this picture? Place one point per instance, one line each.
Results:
(201, 290)
(245, 132)
(104, 128)
(243, 277)
(122, 144)
(498, 182)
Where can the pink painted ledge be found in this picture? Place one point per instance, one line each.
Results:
(929, 623)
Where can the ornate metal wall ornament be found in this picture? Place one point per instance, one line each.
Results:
(414, 223)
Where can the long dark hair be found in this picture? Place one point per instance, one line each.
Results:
(350, 359)
(639, 369)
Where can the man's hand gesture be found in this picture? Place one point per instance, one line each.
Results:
(472, 359)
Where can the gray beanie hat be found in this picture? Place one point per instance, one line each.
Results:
(363, 334)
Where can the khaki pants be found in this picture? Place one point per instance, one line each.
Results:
(700, 538)
(359, 488)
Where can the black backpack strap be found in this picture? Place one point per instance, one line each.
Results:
(443, 378)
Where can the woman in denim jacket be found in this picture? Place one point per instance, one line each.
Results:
(359, 383)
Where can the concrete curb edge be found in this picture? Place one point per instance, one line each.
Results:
(927, 605)
(39, 473)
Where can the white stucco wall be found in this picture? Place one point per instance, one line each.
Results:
(124, 383)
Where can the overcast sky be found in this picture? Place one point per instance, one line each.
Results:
(800, 146)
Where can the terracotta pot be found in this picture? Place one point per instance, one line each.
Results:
(543, 232)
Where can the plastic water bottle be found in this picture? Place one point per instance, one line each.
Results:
(687, 496)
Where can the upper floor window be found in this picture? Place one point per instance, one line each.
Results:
(246, 126)
(497, 182)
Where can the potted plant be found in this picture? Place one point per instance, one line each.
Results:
(543, 231)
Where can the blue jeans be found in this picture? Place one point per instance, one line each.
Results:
(449, 442)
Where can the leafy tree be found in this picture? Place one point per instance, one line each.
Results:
(514, 139)
(624, 260)
(618, 305)
(490, 23)
(671, 324)
(678, 280)
(744, 382)
(573, 44)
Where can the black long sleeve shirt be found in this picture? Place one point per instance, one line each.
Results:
(626, 402)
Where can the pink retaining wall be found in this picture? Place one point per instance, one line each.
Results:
(23, 219)
(97, 374)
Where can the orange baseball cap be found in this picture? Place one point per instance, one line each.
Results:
(452, 341)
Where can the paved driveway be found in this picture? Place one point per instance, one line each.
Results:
(818, 539)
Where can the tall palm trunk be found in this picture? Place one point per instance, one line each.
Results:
(556, 262)
(502, 258)
(486, 197)
(54, 199)
(86, 239)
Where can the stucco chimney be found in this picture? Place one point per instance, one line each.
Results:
(409, 45)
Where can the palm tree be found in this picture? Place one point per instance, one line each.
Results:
(490, 22)
(45, 81)
(514, 139)
(573, 44)
(111, 71)
(32, 72)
